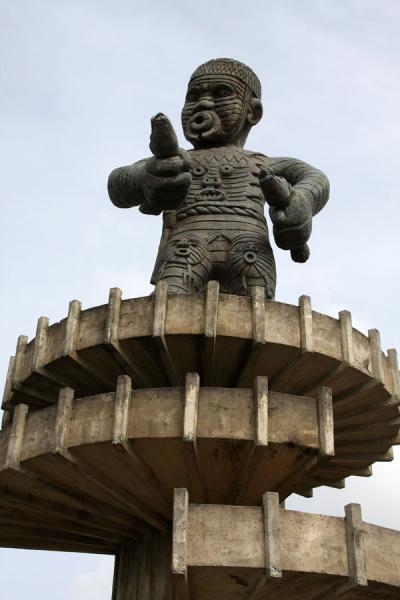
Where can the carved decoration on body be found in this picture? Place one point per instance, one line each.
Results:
(213, 196)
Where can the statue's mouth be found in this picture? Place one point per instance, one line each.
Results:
(203, 125)
(201, 121)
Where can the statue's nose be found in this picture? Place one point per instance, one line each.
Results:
(205, 103)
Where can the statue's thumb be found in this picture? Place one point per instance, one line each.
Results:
(163, 140)
(275, 188)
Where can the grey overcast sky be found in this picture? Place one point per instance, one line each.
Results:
(80, 80)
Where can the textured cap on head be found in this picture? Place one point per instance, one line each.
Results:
(229, 66)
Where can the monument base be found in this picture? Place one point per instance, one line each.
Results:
(233, 402)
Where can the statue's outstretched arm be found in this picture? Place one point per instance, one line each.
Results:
(125, 185)
(157, 183)
(295, 192)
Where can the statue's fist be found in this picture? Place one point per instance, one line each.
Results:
(290, 212)
(165, 181)
(292, 224)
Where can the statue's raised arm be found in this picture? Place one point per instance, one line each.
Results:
(214, 195)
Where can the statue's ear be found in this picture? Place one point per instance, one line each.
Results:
(255, 111)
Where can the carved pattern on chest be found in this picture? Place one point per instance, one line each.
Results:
(223, 177)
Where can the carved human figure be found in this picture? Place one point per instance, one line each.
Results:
(213, 196)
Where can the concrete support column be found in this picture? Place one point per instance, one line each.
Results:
(143, 569)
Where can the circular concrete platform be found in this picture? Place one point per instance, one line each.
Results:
(229, 341)
(238, 400)
(119, 456)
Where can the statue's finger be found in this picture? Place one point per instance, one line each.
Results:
(266, 174)
(169, 183)
(163, 140)
(165, 166)
(300, 254)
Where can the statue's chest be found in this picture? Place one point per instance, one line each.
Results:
(223, 176)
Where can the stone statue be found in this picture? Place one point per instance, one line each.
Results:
(213, 196)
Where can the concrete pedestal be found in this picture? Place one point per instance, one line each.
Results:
(233, 402)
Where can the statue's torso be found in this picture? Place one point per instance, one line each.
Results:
(224, 192)
(220, 226)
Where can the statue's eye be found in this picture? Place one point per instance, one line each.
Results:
(198, 171)
(226, 170)
(222, 91)
(193, 95)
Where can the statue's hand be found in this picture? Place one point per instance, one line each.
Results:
(166, 176)
(290, 213)
(276, 189)
(292, 224)
(165, 181)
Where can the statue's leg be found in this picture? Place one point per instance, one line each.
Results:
(186, 264)
(251, 263)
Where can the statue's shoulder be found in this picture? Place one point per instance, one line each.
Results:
(258, 157)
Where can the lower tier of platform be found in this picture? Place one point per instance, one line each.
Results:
(253, 553)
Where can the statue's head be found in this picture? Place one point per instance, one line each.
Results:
(222, 104)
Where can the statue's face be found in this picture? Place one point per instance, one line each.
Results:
(215, 109)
